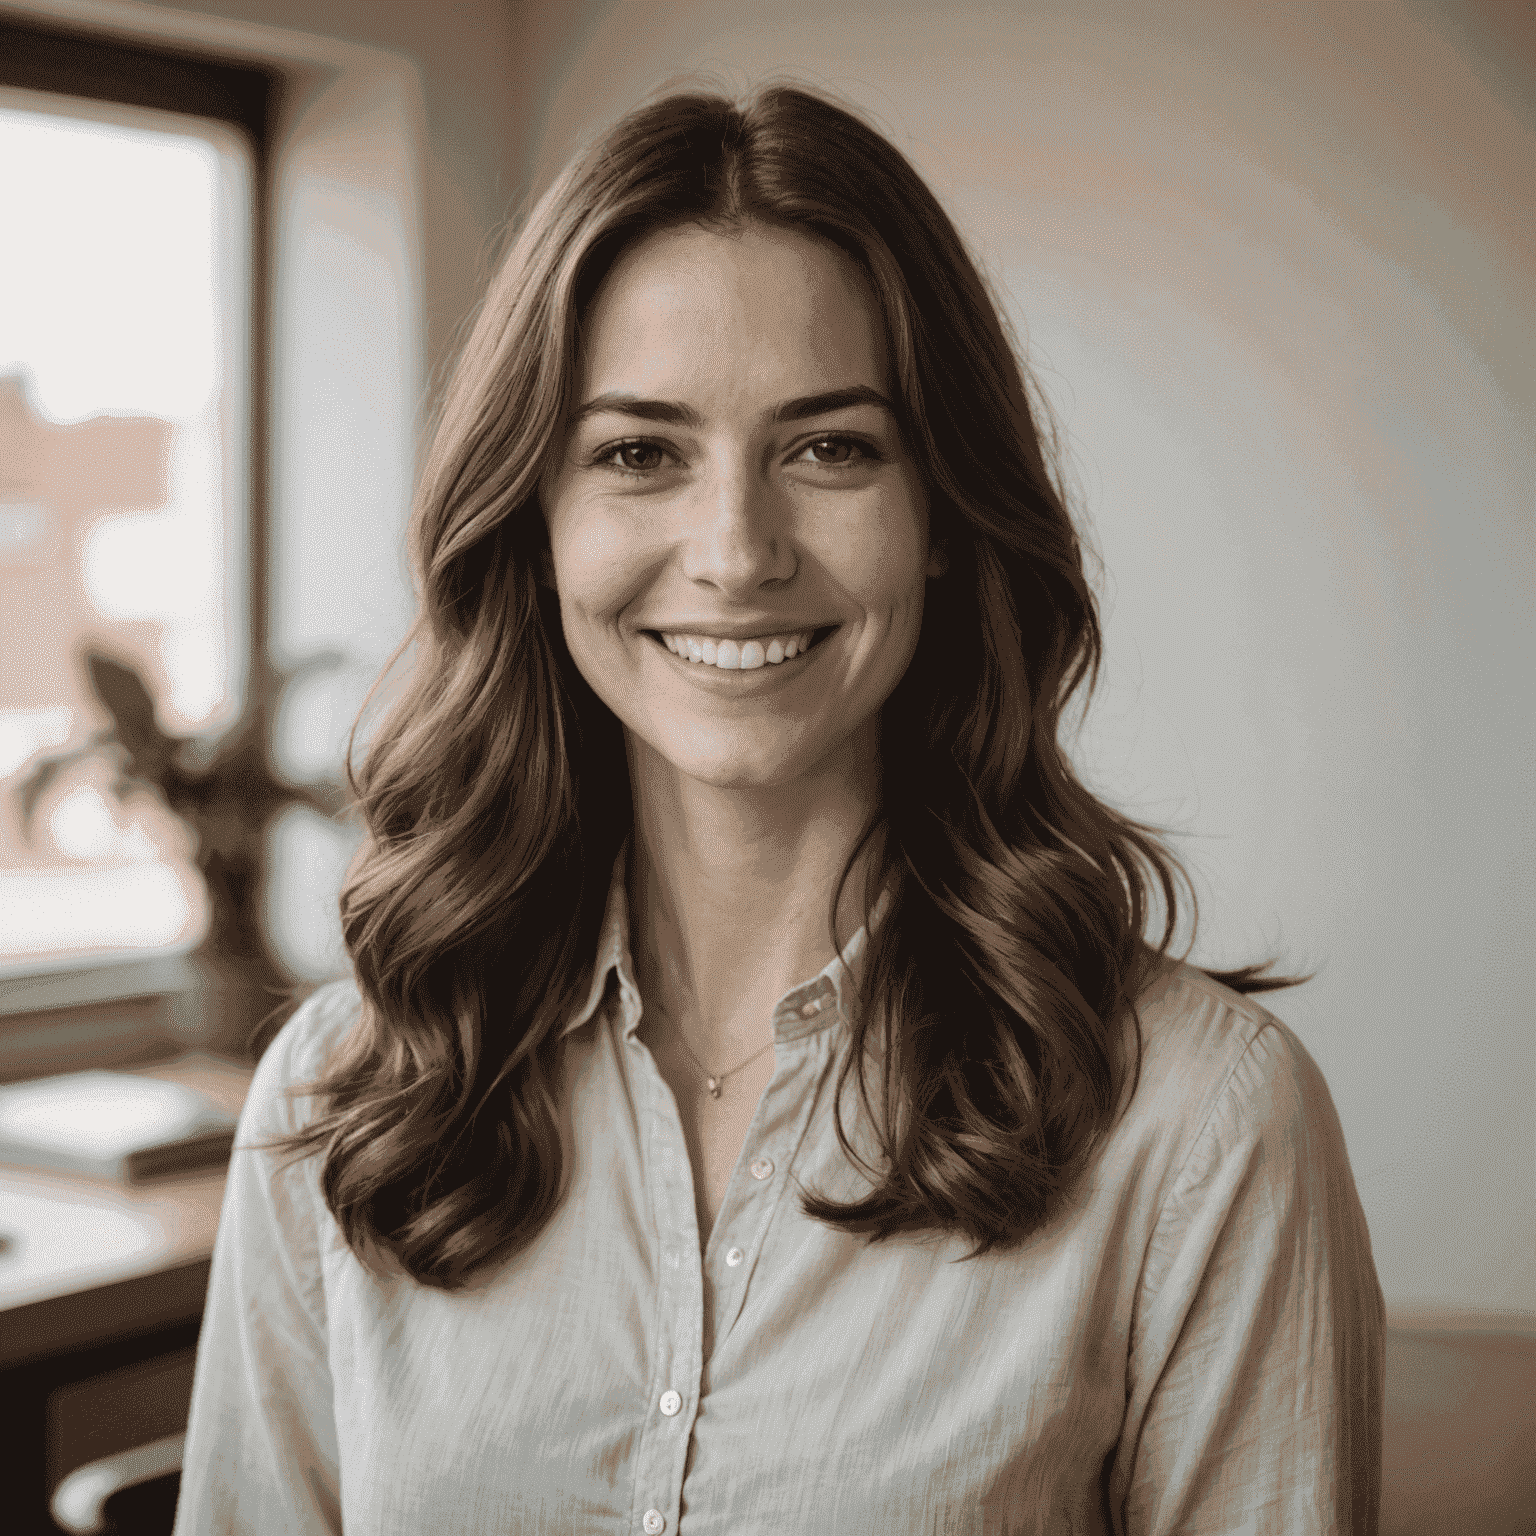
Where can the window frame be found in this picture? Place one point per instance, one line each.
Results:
(63, 60)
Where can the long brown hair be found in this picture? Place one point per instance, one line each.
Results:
(496, 792)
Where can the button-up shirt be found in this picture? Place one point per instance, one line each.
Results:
(1193, 1344)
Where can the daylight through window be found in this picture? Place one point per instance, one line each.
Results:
(124, 355)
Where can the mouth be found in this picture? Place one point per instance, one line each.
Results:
(747, 655)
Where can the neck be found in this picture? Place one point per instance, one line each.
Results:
(730, 888)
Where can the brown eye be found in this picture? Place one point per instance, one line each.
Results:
(839, 452)
(834, 450)
(637, 457)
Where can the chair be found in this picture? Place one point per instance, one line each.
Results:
(130, 1494)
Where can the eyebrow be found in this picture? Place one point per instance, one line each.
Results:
(675, 414)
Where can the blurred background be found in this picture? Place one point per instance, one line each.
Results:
(1274, 268)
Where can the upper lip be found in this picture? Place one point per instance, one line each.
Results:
(735, 629)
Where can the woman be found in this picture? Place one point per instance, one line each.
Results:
(877, 1175)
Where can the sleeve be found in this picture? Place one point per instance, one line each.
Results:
(261, 1454)
(1255, 1383)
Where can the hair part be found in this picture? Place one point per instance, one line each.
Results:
(996, 991)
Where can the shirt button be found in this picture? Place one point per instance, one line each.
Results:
(654, 1522)
(762, 1167)
(811, 1009)
(734, 1257)
(670, 1403)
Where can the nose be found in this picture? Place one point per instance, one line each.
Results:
(738, 538)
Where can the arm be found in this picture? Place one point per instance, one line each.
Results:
(261, 1453)
(1254, 1399)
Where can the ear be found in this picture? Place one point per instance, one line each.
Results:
(938, 560)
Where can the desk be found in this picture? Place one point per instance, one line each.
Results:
(101, 1293)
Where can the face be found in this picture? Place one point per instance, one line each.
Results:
(739, 539)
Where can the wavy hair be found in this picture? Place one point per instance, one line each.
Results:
(496, 792)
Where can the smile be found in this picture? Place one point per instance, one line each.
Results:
(745, 655)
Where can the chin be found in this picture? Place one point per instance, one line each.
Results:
(734, 762)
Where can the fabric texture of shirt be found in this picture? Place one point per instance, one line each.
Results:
(1193, 1345)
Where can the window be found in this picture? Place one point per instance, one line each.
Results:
(123, 410)
(131, 517)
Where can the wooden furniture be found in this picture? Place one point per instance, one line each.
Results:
(1459, 1452)
(101, 1295)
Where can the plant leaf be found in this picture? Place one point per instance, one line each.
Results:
(30, 791)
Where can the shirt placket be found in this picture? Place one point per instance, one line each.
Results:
(678, 1358)
(767, 1156)
(761, 1173)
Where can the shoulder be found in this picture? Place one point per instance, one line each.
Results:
(296, 1058)
(1253, 1360)
(1238, 1162)
(1185, 1014)
(1222, 1079)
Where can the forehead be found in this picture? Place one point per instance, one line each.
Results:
(749, 311)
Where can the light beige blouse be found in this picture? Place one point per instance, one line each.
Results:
(1195, 1345)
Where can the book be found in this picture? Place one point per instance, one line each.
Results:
(113, 1125)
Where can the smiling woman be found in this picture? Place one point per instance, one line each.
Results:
(736, 950)
(770, 523)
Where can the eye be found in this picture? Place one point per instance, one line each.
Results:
(833, 450)
(639, 456)
(837, 451)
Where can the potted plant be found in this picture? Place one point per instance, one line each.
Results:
(227, 792)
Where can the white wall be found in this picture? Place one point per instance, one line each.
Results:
(1274, 265)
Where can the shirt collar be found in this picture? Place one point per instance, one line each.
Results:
(824, 1000)
(612, 951)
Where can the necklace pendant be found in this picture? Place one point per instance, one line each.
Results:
(713, 1084)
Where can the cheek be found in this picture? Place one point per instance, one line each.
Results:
(599, 567)
(879, 556)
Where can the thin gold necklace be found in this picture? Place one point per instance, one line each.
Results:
(713, 1082)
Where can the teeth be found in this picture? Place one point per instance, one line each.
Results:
(743, 656)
